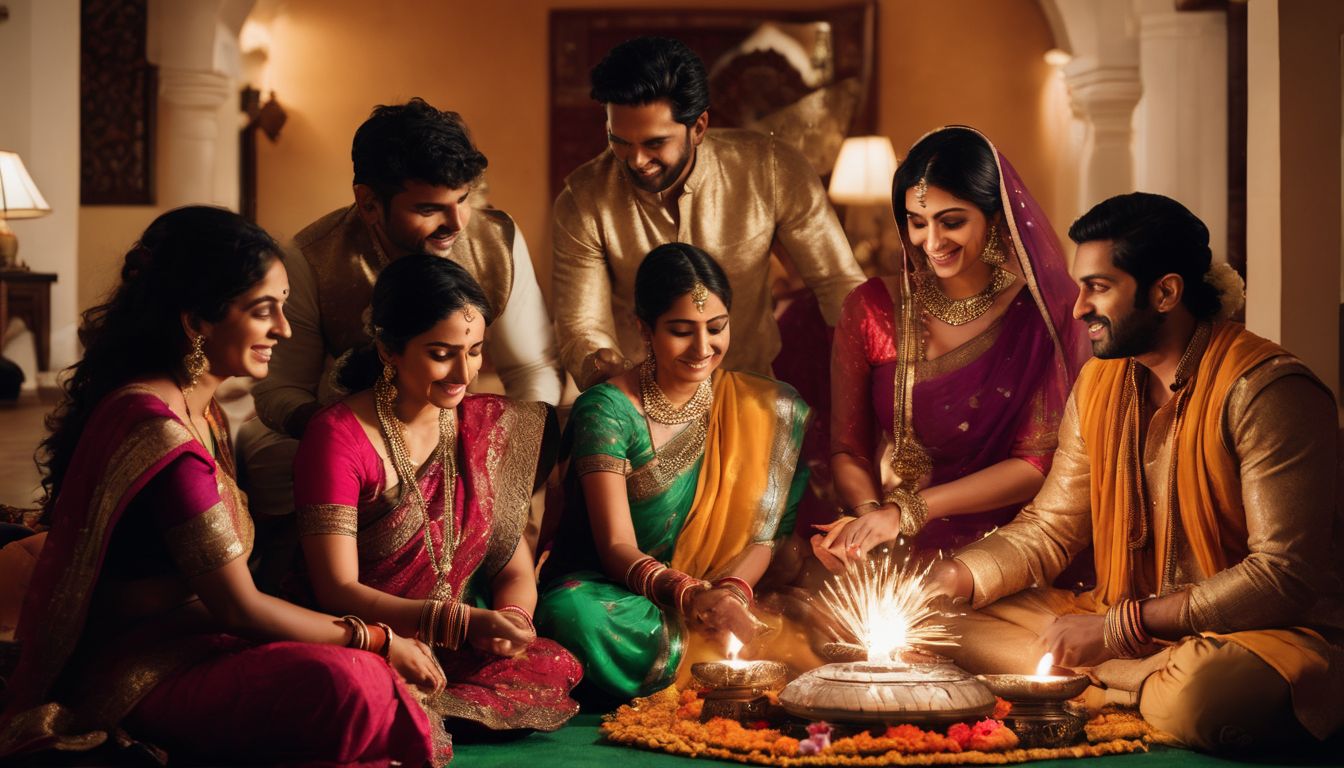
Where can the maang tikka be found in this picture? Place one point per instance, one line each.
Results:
(699, 295)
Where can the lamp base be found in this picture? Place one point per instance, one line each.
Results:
(9, 248)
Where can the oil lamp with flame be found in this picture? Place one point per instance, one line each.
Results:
(1040, 714)
(736, 688)
(887, 610)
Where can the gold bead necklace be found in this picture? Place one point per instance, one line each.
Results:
(658, 408)
(961, 311)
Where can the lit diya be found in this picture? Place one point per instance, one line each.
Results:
(887, 609)
(1040, 715)
(736, 688)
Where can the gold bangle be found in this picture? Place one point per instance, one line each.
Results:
(864, 507)
(914, 510)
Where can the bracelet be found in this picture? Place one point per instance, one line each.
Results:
(521, 612)
(863, 508)
(430, 613)
(456, 619)
(1123, 633)
(914, 510)
(386, 650)
(739, 586)
(359, 632)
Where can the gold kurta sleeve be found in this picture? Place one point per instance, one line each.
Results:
(581, 289)
(811, 233)
(1280, 423)
(1039, 543)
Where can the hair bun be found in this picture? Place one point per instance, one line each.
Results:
(1231, 288)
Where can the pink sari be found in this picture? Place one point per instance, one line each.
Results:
(112, 636)
(999, 395)
(340, 488)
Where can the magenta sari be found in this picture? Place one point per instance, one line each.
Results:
(999, 395)
(340, 488)
(114, 642)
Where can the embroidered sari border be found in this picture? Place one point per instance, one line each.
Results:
(205, 542)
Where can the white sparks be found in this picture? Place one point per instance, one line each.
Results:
(886, 607)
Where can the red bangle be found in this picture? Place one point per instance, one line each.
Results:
(741, 584)
(383, 648)
(521, 612)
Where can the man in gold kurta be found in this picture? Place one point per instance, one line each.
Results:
(1199, 461)
(415, 167)
(666, 177)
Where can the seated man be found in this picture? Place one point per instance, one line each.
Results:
(1198, 460)
(415, 168)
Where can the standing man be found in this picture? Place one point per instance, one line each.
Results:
(415, 167)
(1199, 461)
(666, 177)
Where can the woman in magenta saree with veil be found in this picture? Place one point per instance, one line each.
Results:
(141, 623)
(948, 381)
(444, 560)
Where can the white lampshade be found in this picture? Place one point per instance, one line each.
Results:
(863, 171)
(19, 198)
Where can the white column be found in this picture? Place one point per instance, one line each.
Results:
(1104, 98)
(190, 101)
(1181, 121)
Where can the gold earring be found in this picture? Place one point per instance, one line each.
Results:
(196, 364)
(384, 391)
(993, 254)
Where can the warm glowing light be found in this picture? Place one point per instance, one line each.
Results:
(886, 608)
(734, 646)
(1047, 663)
(1057, 57)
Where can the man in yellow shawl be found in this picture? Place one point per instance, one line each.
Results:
(1199, 462)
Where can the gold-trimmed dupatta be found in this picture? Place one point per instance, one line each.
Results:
(743, 490)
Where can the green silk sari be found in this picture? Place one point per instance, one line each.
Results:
(628, 646)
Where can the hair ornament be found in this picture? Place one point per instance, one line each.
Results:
(1231, 288)
(699, 295)
(467, 313)
(922, 186)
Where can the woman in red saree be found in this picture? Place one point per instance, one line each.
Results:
(412, 497)
(142, 621)
(949, 380)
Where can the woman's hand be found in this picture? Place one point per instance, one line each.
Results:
(502, 633)
(821, 544)
(415, 662)
(1077, 640)
(720, 610)
(853, 541)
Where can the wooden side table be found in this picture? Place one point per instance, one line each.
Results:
(28, 295)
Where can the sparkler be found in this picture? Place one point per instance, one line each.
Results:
(887, 607)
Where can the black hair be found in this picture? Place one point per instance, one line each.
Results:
(414, 141)
(196, 260)
(955, 159)
(411, 295)
(646, 69)
(1151, 236)
(669, 272)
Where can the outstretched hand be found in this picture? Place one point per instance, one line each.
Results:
(1078, 640)
(719, 610)
(502, 633)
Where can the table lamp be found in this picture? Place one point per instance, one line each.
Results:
(861, 182)
(19, 199)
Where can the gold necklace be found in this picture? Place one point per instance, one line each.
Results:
(384, 398)
(191, 421)
(962, 311)
(658, 408)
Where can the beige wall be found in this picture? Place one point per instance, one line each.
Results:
(955, 61)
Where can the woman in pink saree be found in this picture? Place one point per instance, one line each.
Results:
(412, 497)
(949, 380)
(142, 622)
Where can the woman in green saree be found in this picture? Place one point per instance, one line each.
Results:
(681, 479)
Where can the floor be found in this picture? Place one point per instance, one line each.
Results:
(21, 429)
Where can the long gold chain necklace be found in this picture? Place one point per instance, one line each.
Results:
(384, 398)
(191, 421)
(962, 311)
(658, 408)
